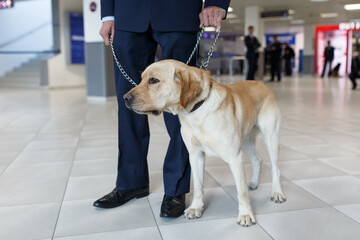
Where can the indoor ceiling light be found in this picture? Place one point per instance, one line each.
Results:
(234, 21)
(230, 9)
(329, 15)
(319, 0)
(231, 15)
(352, 7)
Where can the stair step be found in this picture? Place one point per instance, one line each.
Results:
(22, 74)
(20, 81)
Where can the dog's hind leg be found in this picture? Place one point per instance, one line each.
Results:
(246, 216)
(249, 147)
(269, 125)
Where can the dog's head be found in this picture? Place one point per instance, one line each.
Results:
(168, 85)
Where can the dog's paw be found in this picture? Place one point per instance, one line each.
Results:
(193, 213)
(278, 197)
(252, 186)
(246, 220)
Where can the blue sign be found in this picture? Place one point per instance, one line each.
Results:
(283, 38)
(77, 38)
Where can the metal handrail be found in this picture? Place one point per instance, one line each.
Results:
(30, 52)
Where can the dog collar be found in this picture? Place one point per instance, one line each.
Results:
(196, 106)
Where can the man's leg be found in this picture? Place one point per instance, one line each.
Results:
(330, 70)
(250, 73)
(178, 46)
(135, 51)
(176, 170)
(323, 72)
(279, 70)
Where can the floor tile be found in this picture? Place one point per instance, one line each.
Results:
(96, 153)
(32, 192)
(45, 156)
(39, 171)
(218, 204)
(333, 190)
(224, 177)
(350, 165)
(210, 230)
(296, 198)
(320, 223)
(304, 169)
(157, 183)
(130, 234)
(352, 211)
(94, 167)
(80, 217)
(28, 222)
(325, 151)
(89, 187)
(52, 144)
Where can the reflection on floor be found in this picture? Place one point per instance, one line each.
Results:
(58, 154)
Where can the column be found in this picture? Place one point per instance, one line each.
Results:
(253, 18)
(100, 83)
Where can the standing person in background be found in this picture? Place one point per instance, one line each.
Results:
(137, 27)
(355, 70)
(252, 44)
(288, 56)
(275, 53)
(329, 57)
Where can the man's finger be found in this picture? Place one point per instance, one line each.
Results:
(206, 20)
(201, 19)
(106, 39)
(112, 34)
(218, 22)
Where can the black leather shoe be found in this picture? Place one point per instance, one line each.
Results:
(172, 207)
(119, 197)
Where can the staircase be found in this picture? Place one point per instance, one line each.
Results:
(28, 75)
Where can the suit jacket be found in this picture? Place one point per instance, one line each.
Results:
(329, 53)
(252, 44)
(289, 53)
(275, 51)
(162, 15)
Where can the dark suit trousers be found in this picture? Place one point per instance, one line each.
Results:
(276, 68)
(135, 52)
(252, 62)
(326, 62)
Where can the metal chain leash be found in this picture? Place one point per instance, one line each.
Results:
(204, 65)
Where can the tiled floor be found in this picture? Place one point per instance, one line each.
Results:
(58, 154)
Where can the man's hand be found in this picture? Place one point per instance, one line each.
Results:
(107, 29)
(212, 16)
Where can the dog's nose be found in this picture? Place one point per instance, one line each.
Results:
(128, 98)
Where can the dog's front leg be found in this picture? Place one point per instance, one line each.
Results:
(246, 216)
(197, 161)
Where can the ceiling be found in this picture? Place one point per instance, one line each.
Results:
(304, 10)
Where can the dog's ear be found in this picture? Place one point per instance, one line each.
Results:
(190, 86)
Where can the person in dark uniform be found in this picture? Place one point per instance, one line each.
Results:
(252, 44)
(289, 54)
(275, 56)
(137, 27)
(329, 57)
(355, 71)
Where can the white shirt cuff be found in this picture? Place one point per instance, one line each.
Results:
(108, 18)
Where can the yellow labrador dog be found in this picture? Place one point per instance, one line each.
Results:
(216, 119)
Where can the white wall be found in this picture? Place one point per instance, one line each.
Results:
(92, 22)
(60, 73)
(25, 31)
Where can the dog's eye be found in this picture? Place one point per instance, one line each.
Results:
(153, 80)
